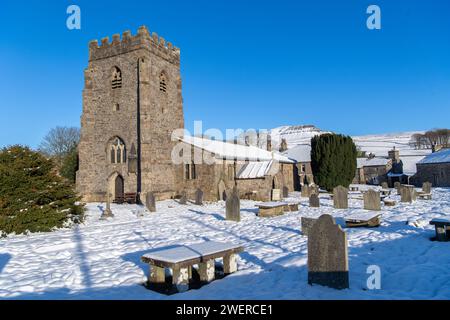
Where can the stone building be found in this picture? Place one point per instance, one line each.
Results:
(132, 105)
(372, 170)
(301, 153)
(434, 168)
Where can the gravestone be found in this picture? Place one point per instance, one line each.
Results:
(199, 197)
(276, 194)
(327, 254)
(183, 198)
(107, 213)
(150, 202)
(314, 201)
(233, 206)
(285, 192)
(305, 191)
(307, 224)
(372, 200)
(406, 194)
(397, 186)
(340, 197)
(426, 187)
(384, 185)
(314, 189)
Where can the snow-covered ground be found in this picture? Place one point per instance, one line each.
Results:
(101, 259)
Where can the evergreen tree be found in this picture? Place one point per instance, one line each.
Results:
(32, 196)
(69, 165)
(333, 160)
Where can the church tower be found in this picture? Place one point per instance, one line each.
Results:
(132, 103)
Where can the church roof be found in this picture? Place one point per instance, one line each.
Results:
(254, 169)
(300, 153)
(231, 151)
(442, 156)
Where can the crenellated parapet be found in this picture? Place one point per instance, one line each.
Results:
(128, 42)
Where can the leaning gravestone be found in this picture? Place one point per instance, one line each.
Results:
(285, 192)
(150, 201)
(305, 191)
(340, 197)
(199, 197)
(426, 187)
(397, 186)
(314, 201)
(183, 198)
(327, 254)
(384, 185)
(372, 200)
(307, 224)
(233, 206)
(406, 194)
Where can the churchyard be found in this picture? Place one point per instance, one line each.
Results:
(108, 256)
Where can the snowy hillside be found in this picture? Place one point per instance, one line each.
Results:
(101, 259)
(378, 144)
(295, 135)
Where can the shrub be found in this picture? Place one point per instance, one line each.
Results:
(69, 165)
(333, 160)
(32, 197)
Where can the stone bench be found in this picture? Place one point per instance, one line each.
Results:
(270, 209)
(442, 227)
(182, 258)
(369, 219)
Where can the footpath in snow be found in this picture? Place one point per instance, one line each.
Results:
(101, 259)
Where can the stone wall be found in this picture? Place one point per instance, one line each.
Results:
(436, 173)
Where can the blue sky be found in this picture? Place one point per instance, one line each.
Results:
(245, 64)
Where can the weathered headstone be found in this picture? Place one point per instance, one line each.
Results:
(107, 213)
(314, 201)
(426, 187)
(372, 200)
(276, 194)
(307, 224)
(305, 191)
(233, 206)
(183, 198)
(397, 186)
(150, 202)
(199, 197)
(406, 194)
(314, 189)
(327, 254)
(340, 197)
(285, 192)
(384, 185)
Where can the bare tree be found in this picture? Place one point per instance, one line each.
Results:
(59, 141)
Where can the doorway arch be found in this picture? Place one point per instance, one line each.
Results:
(116, 186)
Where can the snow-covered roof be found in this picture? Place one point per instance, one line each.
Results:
(442, 156)
(300, 153)
(230, 151)
(254, 169)
(365, 162)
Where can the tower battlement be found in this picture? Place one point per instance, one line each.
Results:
(128, 42)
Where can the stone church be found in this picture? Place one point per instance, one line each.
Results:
(132, 104)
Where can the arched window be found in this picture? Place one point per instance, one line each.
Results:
(163, 82)
(116, 78)
(117, 151)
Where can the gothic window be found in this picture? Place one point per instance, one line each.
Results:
(162, 82)
(118, 153)
(116, 79)
(190, 172)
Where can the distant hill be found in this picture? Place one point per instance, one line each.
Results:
(378, 144)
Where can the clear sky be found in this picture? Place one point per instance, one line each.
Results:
(245, 63)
